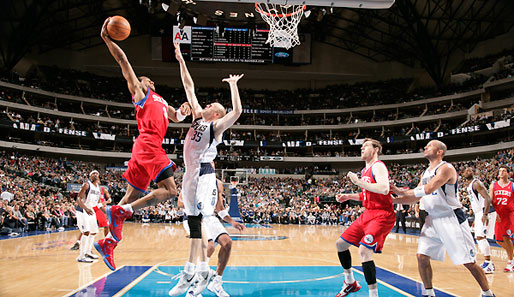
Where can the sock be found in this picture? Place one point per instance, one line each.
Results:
(348, 276)
(484, 247)
(189, 268)
(203, 266)
(370, 272)
(373, 292)
(83, 245)
(78, 240)
(91, 241)
(509, 262)
(487, 293)
(208, 259)
(429, 292)
(345, 258)
(128, 208)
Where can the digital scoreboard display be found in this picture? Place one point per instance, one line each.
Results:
(230, 45)
(238, 45)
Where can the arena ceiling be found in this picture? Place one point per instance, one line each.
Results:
(413, 32)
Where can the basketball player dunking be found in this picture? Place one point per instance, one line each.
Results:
(199, 188)
(148, 160)
(484, 222)
(446, 227)
(502, 194)
(370, 230)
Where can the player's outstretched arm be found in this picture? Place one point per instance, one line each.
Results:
(381, 178)
(188, 83)
(133, 83)
(180, 114)
(344, 197)
(228, 120)
(444, 175)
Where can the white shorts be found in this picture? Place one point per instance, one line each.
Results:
(86, 223)
(441, 234)
(200, 191)
(213, 227)
(480, 230)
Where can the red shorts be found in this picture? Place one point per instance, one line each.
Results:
(101, 218)
(147, 163)
(370, 229)
(504, 227)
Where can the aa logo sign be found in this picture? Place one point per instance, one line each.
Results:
(182, 35)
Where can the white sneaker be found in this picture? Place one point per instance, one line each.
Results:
(84, 260)
(184, 282)
(91, 256)
(216, 286)
(203, 278)
(488, 267)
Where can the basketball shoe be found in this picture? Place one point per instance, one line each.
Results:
(488, 267)
(116, 216)
(106, 247)
(75, 246)
(349, 288)
(184, 282)
(203, 278)
(84, 260)
(216, 286)
(509, 268)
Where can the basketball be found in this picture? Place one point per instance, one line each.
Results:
(118, 28)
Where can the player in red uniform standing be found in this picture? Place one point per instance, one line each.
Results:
(370, 230)
(502, 195)
(148, 160)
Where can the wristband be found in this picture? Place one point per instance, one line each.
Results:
(223, 213)
(180, 116)
(420, 191)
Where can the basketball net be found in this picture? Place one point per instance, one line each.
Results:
(283, 23)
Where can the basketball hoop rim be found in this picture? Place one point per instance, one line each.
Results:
(280, 15)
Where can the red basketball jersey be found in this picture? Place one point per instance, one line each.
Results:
(152, 118)
(372, 200)
(503, 199)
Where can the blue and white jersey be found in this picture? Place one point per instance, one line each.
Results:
(443, 200)
(93, 195)
(476, 200)
(200, 144)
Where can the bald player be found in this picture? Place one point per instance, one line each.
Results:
(446, 228)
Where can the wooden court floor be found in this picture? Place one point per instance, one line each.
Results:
(43, 265)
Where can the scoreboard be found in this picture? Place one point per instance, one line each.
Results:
(244, 45)
(231, 45)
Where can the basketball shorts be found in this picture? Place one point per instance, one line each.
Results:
(200, 190)
(86, 223)
(504, 227)
(370, 229)
(100, 217)
(147, 163)
(450, 233)
(485, 231)
(214, 228)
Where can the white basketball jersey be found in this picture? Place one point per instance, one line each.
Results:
(476, 200)
(200, 144)
(444, 199)
(93, 195)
